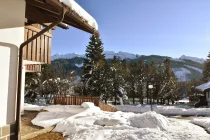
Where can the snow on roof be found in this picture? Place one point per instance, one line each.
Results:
(203, 86)
(81, 12)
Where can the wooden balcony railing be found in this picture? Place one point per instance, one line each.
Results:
(38, 50)
(33, 68)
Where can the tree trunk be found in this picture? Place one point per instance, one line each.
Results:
(133, 100)
(172, 102)
(115, 100)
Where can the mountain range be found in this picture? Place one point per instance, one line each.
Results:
(185, 68)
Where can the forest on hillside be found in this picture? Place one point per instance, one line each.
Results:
(114, 79)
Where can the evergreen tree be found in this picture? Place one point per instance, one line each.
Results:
(93, 65)
(152, 80)
(140, 80)
(106, 86)
(169, 83)
(206, 71)
(117, 78)
(132, 80)
(146, 79)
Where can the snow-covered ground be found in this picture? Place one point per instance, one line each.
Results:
(204, 122)
(55, 114)
(31, 107)
(165, 110)
(92, 123)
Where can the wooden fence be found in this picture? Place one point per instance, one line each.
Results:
(78, 100)
(106, 107)
(75, 100)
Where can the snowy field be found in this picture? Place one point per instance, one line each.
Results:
(165, 110)
(88, 122)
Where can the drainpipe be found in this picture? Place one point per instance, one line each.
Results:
(60, 19)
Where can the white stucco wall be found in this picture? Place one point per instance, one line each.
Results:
(12, 13)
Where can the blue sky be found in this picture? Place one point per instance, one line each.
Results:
(145, 27)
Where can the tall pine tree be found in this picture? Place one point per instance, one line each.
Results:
(93, 64)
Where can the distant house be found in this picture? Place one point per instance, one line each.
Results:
(25, 44)
(205, 89)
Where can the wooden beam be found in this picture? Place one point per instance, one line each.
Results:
(45, 49)
(25, 47)
(47, 24)
(38, 49)
(49, 50)
(34, 48)
(42, 48)
(38, 15)
(38, 30)
(71, 18)
(30, 34)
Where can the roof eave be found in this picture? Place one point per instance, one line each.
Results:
(71, 18)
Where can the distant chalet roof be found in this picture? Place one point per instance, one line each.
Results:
(46, 11)
(203, 87)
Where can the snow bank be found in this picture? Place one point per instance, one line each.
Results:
(56, 114)
(97, 124)
(100, 125)
(88, 104)
(92, 123)
(65, 108)
(204, 122)
(166, 110)
(107, 122)
(30, 107)
(48, 119)
(184, 100)
(149, 120)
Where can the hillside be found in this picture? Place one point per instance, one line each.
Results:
(184, 68)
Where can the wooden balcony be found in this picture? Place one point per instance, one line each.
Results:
(38, 50)
(33, 68)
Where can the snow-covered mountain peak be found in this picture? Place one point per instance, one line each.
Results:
(57, 54)
(195, 59)
(124, 55)
(120, 54)
(65, 56)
